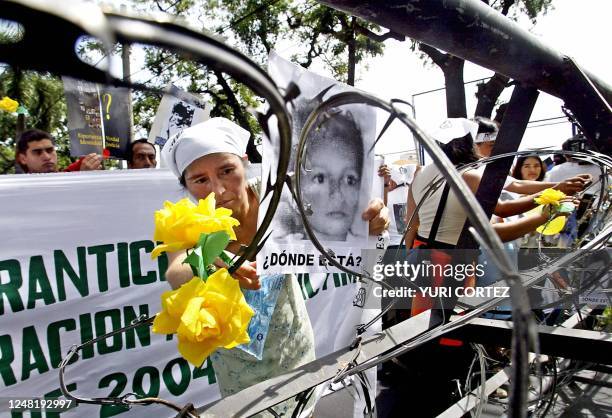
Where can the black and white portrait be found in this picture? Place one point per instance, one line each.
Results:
(336, 170)
(177, 110)
(180, 118)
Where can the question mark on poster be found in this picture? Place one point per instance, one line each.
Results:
(108, 104)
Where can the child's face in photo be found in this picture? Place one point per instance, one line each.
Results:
(331, 184)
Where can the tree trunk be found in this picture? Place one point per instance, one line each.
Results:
(455, 87)
(241, 118)
(351, 54)
(452, 68)
(488, 93)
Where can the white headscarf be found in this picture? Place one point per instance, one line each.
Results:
(209, 137)
(485, 137)
(453, 128)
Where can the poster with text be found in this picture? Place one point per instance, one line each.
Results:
(336, 178)
(98, 118)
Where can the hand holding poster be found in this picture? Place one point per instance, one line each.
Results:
(336, 178)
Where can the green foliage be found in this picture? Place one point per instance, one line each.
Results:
(530, 8)
(314, 30)
(43, 96)
(255, 27)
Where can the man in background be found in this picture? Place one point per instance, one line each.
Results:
(572, 167)
(141, 154)
(36, 154)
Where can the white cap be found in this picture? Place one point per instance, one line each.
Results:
(209, 137)
(482, 137)
(453, 128)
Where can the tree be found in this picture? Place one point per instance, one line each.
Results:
(315, 30)
(452, 66)
(43, 97)
(255, 27)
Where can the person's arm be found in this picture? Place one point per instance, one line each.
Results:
(377, 214)
(509, 231)
(75, 166)
(385, 173)
(567, 186)
(414, 227)
(177, 272)
(504, 208)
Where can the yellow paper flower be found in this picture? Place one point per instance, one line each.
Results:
(205, 316)
(179, 225)
(9, 104)
(550, 196)
(553, 227)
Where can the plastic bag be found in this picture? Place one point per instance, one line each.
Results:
(263, 302)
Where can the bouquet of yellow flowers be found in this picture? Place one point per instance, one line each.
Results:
(210, 310)
(555, 223)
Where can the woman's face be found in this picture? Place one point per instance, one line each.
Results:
(531, 169)
(331, 187)
(223, 174)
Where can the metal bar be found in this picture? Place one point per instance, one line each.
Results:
(444, 88)
(578, 344)
(265, 394)
(476, 32)
(508, 140)
(472, 399)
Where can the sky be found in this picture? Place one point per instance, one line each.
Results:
(578, 28)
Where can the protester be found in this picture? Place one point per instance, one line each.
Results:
(36, 154)
(529, 168)
(486, 136)
(573, 167)
(210, 157)
(141, 154)
(396, 182)
(440, 219)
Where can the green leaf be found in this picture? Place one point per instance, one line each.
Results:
(196, 261)
(214, 246)
(566, 207)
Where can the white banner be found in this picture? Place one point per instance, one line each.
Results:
(75, 264)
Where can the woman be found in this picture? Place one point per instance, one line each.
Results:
(210, 157)
(529, 168)
(439, 221)
(533, 168)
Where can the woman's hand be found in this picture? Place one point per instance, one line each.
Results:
(574, 184)
(378, 216)
(246, 274)
(549, 211)
(385, 173)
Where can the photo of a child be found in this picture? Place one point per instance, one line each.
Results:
(336, 172)
(331, 178)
